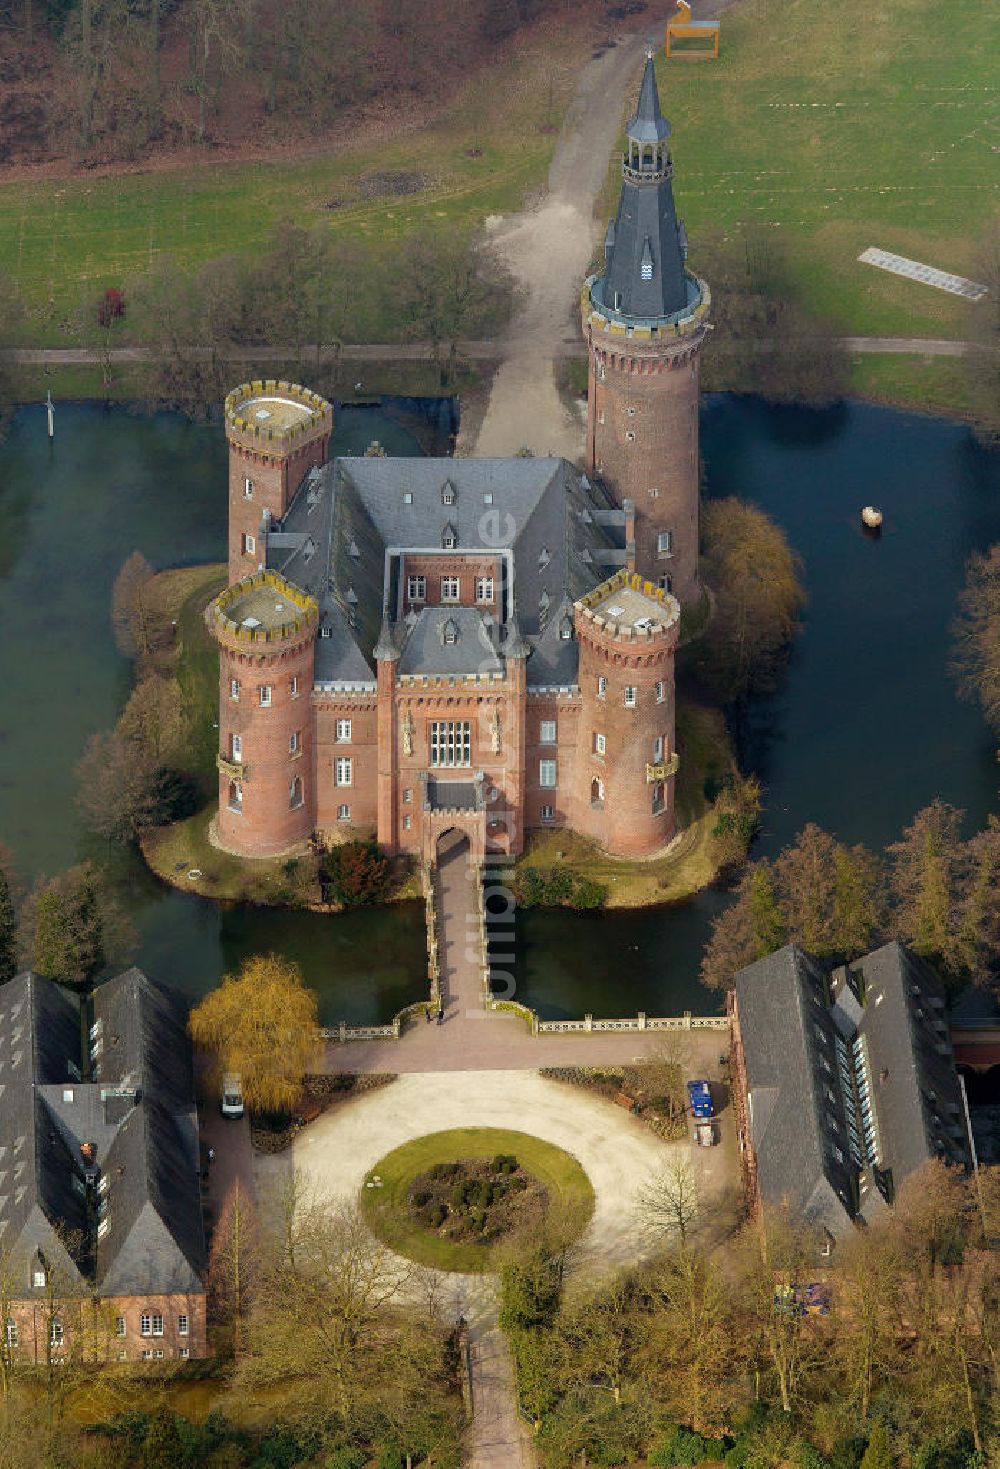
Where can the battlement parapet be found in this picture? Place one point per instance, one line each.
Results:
(663, 331)
(262, 609)
(629, 609)
(275, 417)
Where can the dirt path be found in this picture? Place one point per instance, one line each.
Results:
(496, 1438)
(547, 250)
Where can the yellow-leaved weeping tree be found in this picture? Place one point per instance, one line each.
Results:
(262, 1024)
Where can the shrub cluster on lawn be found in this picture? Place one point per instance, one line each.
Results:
(477, 1199)
(559, 887)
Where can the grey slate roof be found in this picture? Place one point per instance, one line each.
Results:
(139, 1114)
(916, 1092)
(562, 532)
(426, 651)
(648, 125)
(646, 230)
(796, 1125)
(891, 1006)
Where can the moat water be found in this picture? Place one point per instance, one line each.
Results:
(865, 729)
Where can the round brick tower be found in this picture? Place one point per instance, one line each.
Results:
(276, 432)
(266, 631)
(645, 319)
(627, 630)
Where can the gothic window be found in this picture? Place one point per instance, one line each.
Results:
(597, 794)
(451, 742)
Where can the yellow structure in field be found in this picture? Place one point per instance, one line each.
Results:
(683, 28)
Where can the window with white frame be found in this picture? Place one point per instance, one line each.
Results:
(547, 733)
(600, 744)
(407, 822)
(265, 696)
(248, 489)
(343, 731)
(448, 540)
(665, 542)
(484, 589)
(11, 1332)
(631, 697)
(234, 690)
(157, 1324)
(56, 1334)
(152, 1354)
(407, 497)
(665, 583)
(104, 1228)
(661, 691)
(657, 749)
(182, 1324)
(236, 746)
(416, 588)
(343, 813)
(451, 742)
(407, 796)
(451, 588)
(145, 1324)
(344, 770)
(295, 793)
(38, 1277)
(548, 813)
(249, 545)
(547, 774)
(602, 687)
(295, 742)
(184, 1353)
(119, 1326)
(293, 688)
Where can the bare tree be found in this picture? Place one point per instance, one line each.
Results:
(235, 1264)
(131, 613)
(668, 1203)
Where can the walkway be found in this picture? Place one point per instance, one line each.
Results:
(497, 1437)
(473, 1038)
(566, 344)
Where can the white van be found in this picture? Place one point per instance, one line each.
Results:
(232, 1095)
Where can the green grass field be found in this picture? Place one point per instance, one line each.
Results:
(385, 1208)
(840, 127)
(64, 240)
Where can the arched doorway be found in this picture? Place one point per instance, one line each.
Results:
(451, 844)
(597, 794)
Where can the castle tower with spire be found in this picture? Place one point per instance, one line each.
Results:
(645, 319)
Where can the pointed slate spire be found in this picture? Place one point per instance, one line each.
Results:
(514, 644)
(649, 125)
(385, 649)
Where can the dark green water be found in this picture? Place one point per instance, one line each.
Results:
(865, 730)
(69, 515)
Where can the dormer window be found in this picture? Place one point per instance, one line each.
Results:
(352, 596)
(566, 629)
(353, 551)
(449, 631)
(646, 263)
(407, 497)
(449, 537)
(447, 493)
(543, 557)
(326, 631)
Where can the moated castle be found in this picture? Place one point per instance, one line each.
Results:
(410, 646)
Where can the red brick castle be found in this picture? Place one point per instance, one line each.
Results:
(409, 646)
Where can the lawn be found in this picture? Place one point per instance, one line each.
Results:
(385, 1207)
(839, 128)
(66, 240)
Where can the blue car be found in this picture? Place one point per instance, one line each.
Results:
(700, 1097)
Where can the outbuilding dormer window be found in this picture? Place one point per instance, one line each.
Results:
(447, 493)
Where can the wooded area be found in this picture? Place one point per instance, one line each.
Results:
(112, 79)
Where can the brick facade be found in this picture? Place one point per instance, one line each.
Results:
(267, 464)
(468, 571)
(111, 1328)
(642, 439)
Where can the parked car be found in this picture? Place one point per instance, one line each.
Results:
(232, 1095)
(700, 1098)
(704, 1134)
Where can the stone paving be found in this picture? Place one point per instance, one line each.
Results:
(472, 1038)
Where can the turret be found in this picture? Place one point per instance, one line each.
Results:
(266, 632)
(645, 318)
(277, 432)
(627, 630)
